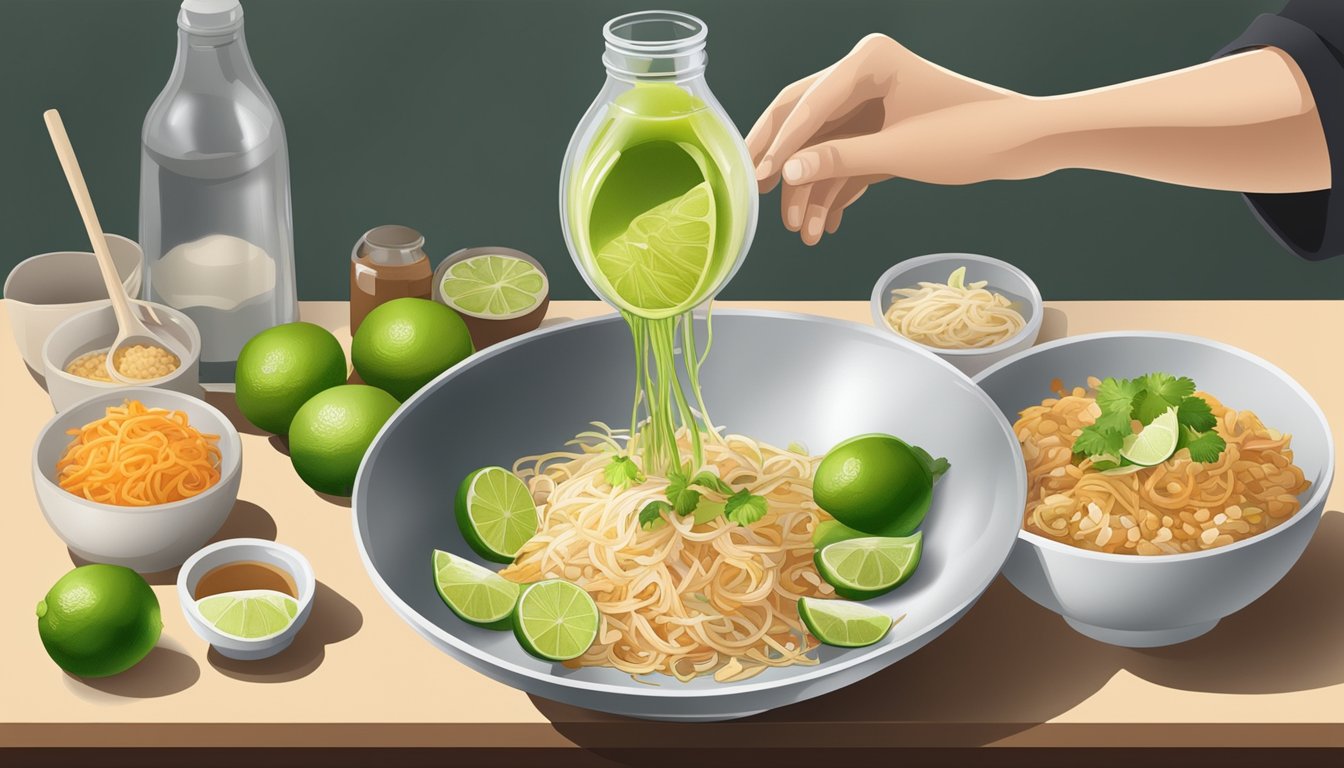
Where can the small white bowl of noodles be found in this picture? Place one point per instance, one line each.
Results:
(989, 310)
(1275, 472)
(138, 477)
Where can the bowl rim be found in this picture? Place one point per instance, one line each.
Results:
(462, 254)
(58, 370)
(1319, 490)
(230, 448)
(139, 268)
(1030, 330)
(306, 577)
(820, 671)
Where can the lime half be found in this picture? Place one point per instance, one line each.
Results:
(860, 569)
(842, 623)
(1154, 443)
(249, 614)
(661, 259)
(496, 513)
(493, 286)
(477, 595)
(555, 620)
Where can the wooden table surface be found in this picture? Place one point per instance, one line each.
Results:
(1010, 673)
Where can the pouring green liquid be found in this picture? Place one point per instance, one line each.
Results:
(658, 211)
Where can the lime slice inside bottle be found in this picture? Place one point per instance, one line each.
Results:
(555, 620)
(249, 614)
(477, 595)
(496, 513)
(662, 258)
(860, 569)
(493, 286)
(842, 623)
(1154, 443)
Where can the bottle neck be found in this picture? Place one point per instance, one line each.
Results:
(631, 66)
(226, 51)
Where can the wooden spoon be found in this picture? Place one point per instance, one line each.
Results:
(131, 328)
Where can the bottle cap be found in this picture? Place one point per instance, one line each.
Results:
(210, 16)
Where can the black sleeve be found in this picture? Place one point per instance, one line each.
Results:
(1311, 224)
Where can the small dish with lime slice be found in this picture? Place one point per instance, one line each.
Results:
(499, 292)
(247, 598)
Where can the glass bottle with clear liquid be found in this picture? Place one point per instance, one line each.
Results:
(658, 205)
(215, 219)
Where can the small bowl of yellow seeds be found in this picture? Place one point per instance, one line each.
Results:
(75, 357)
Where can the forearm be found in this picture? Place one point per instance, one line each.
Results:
(1246, 123)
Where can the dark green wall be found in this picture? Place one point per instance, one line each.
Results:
(452, 116)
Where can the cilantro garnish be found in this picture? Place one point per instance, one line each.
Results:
(1143, 399)
(622, 472)
(744, 507)
(652, 513)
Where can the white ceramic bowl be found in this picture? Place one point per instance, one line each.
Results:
(96, 329)
(1003, 278)
(249, 550)
(43, 291)
(147, 539)
(1145, 601)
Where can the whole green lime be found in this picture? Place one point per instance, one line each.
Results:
(876, 484)
(99, 620)
(331, 432)
(403, 344)
(281, 367)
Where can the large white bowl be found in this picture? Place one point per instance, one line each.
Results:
(1145, 601)
(147, 539)
(96, 329)
(246, 550)
(780, 378)
(44, 291)
(1002, 277)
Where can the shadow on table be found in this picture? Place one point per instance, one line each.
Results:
(555, 320)
(333, 619)
(165, 671)
(245, 521)
(1011, 664)
(1054, 325)
(228, 405)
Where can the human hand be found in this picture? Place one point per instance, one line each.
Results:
(882, 111)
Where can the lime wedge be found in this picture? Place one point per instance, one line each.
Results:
(661, 259)
(860, 569)
(493, 286)
(842, 623)
(249, 614)
(496, 513)
(555, 620)
(477, 595)
(1154, 443)
(830, 531)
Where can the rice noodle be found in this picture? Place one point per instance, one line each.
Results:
(953, 315)
(683, 599)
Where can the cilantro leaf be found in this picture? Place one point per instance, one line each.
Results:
(707, 511)
(1095, 441)
(1195, 413)
(1115, 421)
(1205, 448)
(622, 472)
(1117, 396)
(1149, 406)
(744, 507)
(652, 514)
(1170, 388)
(710, 481)
(685, 502)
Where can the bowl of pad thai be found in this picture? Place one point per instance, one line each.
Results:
(665, 532)
(1172, 480)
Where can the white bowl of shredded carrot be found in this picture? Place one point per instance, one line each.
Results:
(140, 477)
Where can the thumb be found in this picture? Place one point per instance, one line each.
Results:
(839, 158)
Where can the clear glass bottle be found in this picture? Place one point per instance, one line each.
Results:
(215, 219)
(656, 141)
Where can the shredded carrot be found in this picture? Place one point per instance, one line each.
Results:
(136, 456)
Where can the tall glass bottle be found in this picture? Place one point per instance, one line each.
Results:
(215, 219)
(656, 168)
